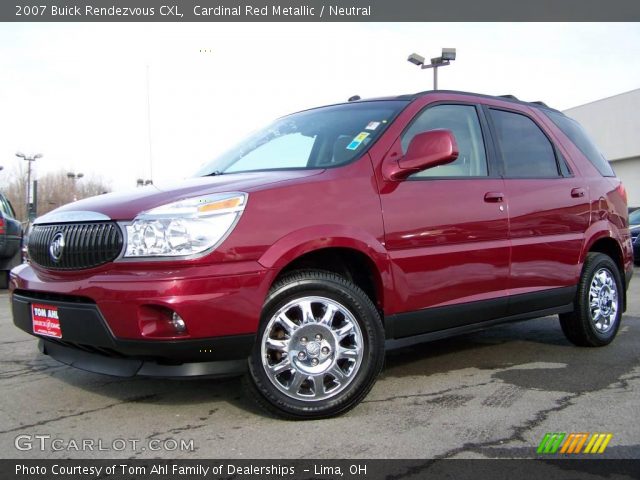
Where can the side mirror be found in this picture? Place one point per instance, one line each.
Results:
(426, 150)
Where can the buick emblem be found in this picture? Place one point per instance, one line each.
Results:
(56, 247)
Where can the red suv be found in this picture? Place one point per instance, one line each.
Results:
(331, 235)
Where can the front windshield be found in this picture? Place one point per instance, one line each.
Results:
(318, 138)
(634, 217)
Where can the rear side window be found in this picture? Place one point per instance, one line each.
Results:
(580, 139)
(526, 150)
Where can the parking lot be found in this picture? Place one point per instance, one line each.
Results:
(488, 394)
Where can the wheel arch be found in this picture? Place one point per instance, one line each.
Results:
(344, 250)
(607, 245)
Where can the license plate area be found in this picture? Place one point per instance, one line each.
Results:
(45, 320)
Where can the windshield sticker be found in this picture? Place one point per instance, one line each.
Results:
(357, 140)
(372, 126)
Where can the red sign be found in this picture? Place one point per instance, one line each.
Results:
(45, 320)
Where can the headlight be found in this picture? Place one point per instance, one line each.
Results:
(186, 227)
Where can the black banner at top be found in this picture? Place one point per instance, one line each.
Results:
(318, 10)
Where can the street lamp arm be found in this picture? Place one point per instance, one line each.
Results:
(435, 65)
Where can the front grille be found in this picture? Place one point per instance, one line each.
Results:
(86, 245)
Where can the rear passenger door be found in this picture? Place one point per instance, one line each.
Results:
(548, 212)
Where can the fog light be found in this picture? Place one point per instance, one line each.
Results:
(178, 323)
(157, 321)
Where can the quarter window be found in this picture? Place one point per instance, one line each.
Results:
(579, 137)
(526, 151)
(463, 121)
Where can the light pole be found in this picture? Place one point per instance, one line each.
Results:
(29, 202)
(75, 177)
(448, 56)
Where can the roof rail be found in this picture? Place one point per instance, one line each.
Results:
(511, 97)
(542, 104)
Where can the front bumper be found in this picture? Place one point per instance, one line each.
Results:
(100, 317)
(87, 343)
(213, 300)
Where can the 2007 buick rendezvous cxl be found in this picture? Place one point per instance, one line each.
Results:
(333, 234)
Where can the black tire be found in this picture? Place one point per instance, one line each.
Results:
(367, 338)
(579, 326)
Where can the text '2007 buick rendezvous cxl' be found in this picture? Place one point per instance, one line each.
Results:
(303, 253)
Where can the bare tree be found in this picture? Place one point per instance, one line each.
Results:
(15, 190)
(54, 190)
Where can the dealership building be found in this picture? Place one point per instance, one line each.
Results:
(614, 125)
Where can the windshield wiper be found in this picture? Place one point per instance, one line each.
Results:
(215, 173)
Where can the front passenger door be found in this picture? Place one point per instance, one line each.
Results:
(446, 229)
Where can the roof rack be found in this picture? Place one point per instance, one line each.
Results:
(511, 97)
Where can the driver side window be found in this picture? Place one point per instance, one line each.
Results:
(463, 121)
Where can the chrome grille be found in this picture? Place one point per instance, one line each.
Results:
(86, 245)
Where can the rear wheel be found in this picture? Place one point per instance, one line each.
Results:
(320, 347)
(598, 305)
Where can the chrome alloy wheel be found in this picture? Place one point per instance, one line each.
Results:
(312, 348)
(603, 300)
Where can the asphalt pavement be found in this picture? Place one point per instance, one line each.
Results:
(492, 394)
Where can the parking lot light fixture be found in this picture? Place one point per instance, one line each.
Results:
(74, 178)
(28, 200)
(448, 55)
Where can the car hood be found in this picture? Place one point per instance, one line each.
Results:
(125, 205)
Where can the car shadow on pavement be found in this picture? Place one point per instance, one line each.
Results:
(532, 355)
(207, 392)
(502, 348)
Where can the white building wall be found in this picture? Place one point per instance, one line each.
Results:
(614, 124)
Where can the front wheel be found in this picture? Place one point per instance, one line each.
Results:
(320, 347)
(598, 305)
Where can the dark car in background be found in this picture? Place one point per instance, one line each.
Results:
(634, 218)
(634, 226)
(10, 240)
(635, 235)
